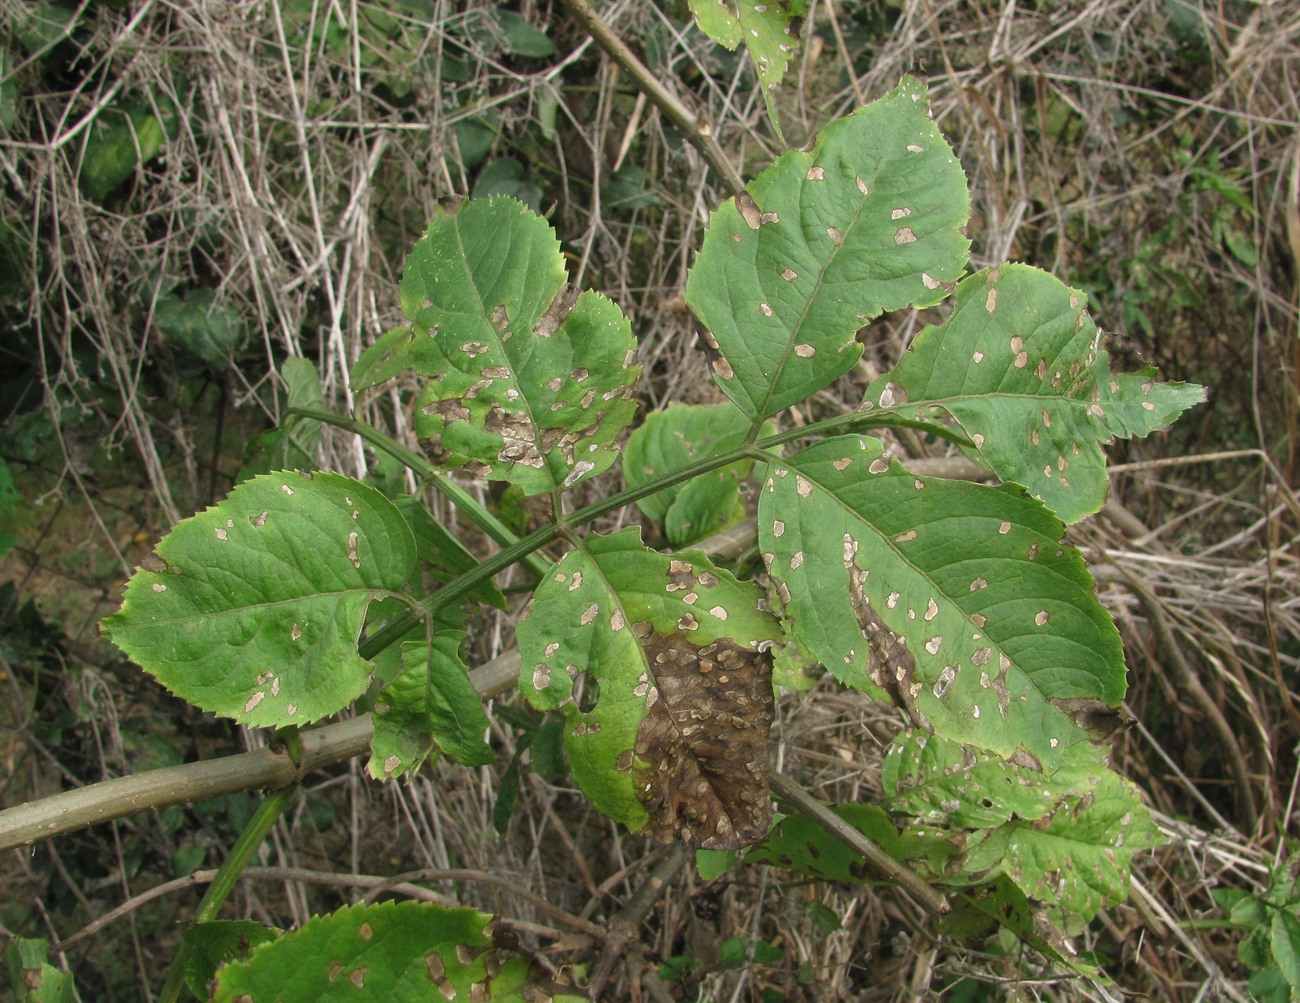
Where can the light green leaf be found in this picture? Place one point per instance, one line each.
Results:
(768, 30)
(958, 601)
(675, 737)
(823, 241)
(252, 609)
(395, 952)
(430, 706)
(669, 440)
(523, 383)
(1075, 862)
(1018, 365)
(1286, 947)
(32, 979)
(945, 783)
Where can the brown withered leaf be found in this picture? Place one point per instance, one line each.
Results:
(704, 740)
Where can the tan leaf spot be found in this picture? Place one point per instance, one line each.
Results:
(1042, 617)
(979, 583)
(904, 235)
(589, 614)
(805, 351)
(789, 275)
(816, 174)
(907, 537)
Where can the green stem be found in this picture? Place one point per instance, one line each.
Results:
(453, 492)
(255, 832)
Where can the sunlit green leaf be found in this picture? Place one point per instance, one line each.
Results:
(1019, 366)
(957, 601)
(822, 242)
(252, 609)
(522, 382)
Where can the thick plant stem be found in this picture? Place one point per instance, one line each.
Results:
(697, 131)
(224, 883)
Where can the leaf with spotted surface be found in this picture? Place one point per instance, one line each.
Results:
(660, 668)
(398, 952)
(431, 706)
(252, 609)
(1066, 840)
(957, 601)
(669, 440)
(822, 242)
(524, 383)
(768, 30)
(1018, 365)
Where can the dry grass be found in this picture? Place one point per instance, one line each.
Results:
(1099, 143)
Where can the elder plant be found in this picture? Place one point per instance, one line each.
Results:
(960, 603)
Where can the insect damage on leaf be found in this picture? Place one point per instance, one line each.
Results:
(703, 743)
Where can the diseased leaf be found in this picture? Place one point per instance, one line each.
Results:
(671, 439)
(431, 706)
(1075, 860)
(769, 30)
(214, 943)
(1018, 365)
(1009, 643)
(252, 609)
(523, 383)
(398, 952)
(659, 666)
(948, 784)
(823, 241)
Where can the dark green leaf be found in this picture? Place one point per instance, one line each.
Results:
(215, 943)
(671, 439)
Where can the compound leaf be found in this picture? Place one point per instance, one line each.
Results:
(957, 601)
(252, 609)
(821, 242)
(430, 706)
(523, 383)
(1018, 366)
(659, 665)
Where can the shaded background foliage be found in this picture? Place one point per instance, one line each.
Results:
(195, 193)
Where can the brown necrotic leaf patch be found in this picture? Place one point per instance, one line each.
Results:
(704, 742)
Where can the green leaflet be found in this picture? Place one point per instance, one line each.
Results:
(1018, 366)
(823, 241)
(958, 601)
(669, 440)
(398, 952)
(1067, 839)
(523, 383)
(767, 30)
(252, 609)
(676, 649)
(430, 706)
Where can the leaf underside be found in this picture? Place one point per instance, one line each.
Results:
(252, 609)
(1018, 365)
(521, 382)
(823, 241)
(675, 741)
